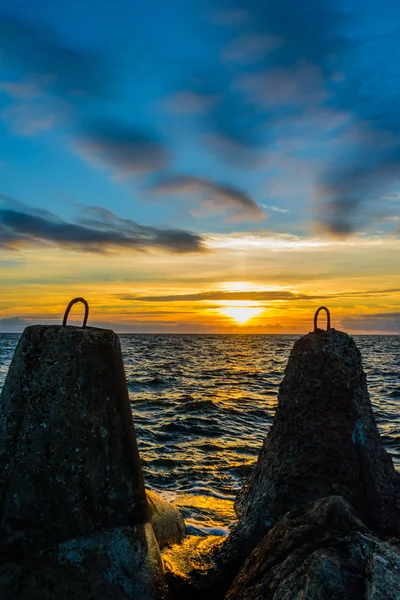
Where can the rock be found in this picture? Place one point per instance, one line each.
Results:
(323, 441)
(118, 564)
(321, 551)
(70, 464)
(167, 521)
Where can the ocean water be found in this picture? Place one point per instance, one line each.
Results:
(202, 405)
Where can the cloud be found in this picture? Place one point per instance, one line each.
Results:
(18, 324)
(230, 17)
(189, 102)
(217, 295)
(30, 119)
(276, 52)
(378, 322)
(273, 208)
(123, 149)
(283, 88)
(95, 230)
(34, 48)
(23, 90)
(212, 194)
(328, 59)
(13, 324)
(256, 296)
(250, 48)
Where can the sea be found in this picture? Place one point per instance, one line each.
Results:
(202, 405)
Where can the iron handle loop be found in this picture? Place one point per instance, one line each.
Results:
(328, 318)
(70, 305)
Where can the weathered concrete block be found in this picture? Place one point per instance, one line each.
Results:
(323, 441)
(117, 564)
(68, 453)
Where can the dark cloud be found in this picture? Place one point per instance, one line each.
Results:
(274, 52)
(324, 62)
(281, 61)
(33, 48)
(219, 196)
(256, 296)
(218, 295)
(96, 230)
(268, 65)
(122, 148)
(381, 322)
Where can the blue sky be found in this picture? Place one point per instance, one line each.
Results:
(138, 125)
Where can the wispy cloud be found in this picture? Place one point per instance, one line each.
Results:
(30, 119)
(95, 230)
(23, 90)
(212, 194)
(322, 59)
(190, 102)
(273, 208)
(216, 295)
(249, 48)
(256, 296)
(230, 17)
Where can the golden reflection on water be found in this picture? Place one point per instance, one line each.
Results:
(194, 553)
(207, 502)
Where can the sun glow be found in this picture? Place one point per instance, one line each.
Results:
(241, 314)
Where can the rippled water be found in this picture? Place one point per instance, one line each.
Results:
(202, 405)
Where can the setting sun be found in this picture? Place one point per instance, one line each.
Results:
(241, 314)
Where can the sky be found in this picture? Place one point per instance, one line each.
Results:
(212, 166)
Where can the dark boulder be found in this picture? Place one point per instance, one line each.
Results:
(319, 552)
(116, 564)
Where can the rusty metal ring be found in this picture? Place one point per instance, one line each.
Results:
(70, 305)
(328, 318)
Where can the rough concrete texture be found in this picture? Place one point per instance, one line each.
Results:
(70, 464)
(167, 521)
(118, 564)
(323, 441)
(320, 552)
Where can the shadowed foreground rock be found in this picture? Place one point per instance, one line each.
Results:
(322, 551)
(115, 564)
(74, 516)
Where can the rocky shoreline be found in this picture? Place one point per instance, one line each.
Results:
(319, 518)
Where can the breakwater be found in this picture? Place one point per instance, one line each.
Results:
(72, 522)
